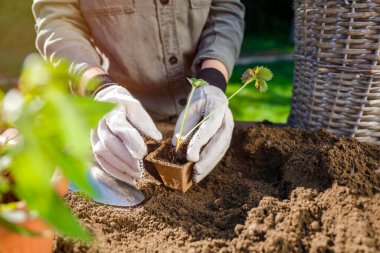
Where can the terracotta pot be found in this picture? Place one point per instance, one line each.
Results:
(12, 242)
(174, 176)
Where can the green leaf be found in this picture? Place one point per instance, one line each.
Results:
(260, 75)
(32, 176)
(4, 185)
(73, 126)
(264, 73)
(261, 85)
(40, 195)
(38, 74)
(64, 221)
(90, 109)
(197, 82)
(76, 119)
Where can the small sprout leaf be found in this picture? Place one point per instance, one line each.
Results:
(260, 75)
(190, 80)
(197, 82)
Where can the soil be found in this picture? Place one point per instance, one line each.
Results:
(276, 190)
(171, 155)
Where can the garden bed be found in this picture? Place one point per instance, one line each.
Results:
(276, 190)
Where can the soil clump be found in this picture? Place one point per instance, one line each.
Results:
(276, 190)
(171, 155)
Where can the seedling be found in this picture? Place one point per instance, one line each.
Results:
(178, 175)
(259, 75)
(195, 83)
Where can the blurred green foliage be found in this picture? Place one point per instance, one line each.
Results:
(55, 130)
(266, 45)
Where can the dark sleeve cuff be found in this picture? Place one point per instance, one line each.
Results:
(214, 77)
(98, 83)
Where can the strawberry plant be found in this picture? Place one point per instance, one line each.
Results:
(258, 75)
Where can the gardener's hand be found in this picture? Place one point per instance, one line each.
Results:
(214, 134)
(117, 143)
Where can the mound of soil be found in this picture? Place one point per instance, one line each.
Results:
(276, 190)
(311, 159)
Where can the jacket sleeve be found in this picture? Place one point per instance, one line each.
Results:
(62, 33)
(222, 35)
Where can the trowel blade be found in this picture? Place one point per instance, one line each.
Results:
(109, 190)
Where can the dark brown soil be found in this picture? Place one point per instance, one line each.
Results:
(171, 155)
(292, 158)
(8, 196)
(276, 190)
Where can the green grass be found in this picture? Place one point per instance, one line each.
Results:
(273, 106)
(265, 44)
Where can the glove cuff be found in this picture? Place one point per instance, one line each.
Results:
(214, 77)
(98, 83)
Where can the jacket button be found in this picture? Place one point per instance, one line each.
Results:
(173, 60)
(164, 2)
(182, 101)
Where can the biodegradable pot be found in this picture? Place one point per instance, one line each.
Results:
(175, 176)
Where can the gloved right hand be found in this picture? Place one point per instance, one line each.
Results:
(117, 143)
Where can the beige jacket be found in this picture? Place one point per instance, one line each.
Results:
(147, 46)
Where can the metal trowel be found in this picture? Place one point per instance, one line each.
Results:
(109, 190)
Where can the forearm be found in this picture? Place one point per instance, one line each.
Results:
(222, 35)
(62, 34)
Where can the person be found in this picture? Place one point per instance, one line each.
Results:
(140, 53)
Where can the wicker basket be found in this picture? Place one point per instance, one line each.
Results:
(337, 67)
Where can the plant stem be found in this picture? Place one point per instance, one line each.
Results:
(213, 111)
(179, 140)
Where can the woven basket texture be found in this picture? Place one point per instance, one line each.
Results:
(337, 68)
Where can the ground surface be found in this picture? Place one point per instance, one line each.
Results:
(276, 190)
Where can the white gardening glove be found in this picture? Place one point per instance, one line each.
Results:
(117, 143)
(215, 133)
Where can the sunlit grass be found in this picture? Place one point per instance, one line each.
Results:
(274, 106)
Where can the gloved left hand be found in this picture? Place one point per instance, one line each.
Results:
(118, 143)
(214, 134)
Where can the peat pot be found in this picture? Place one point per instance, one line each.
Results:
(175, 176)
